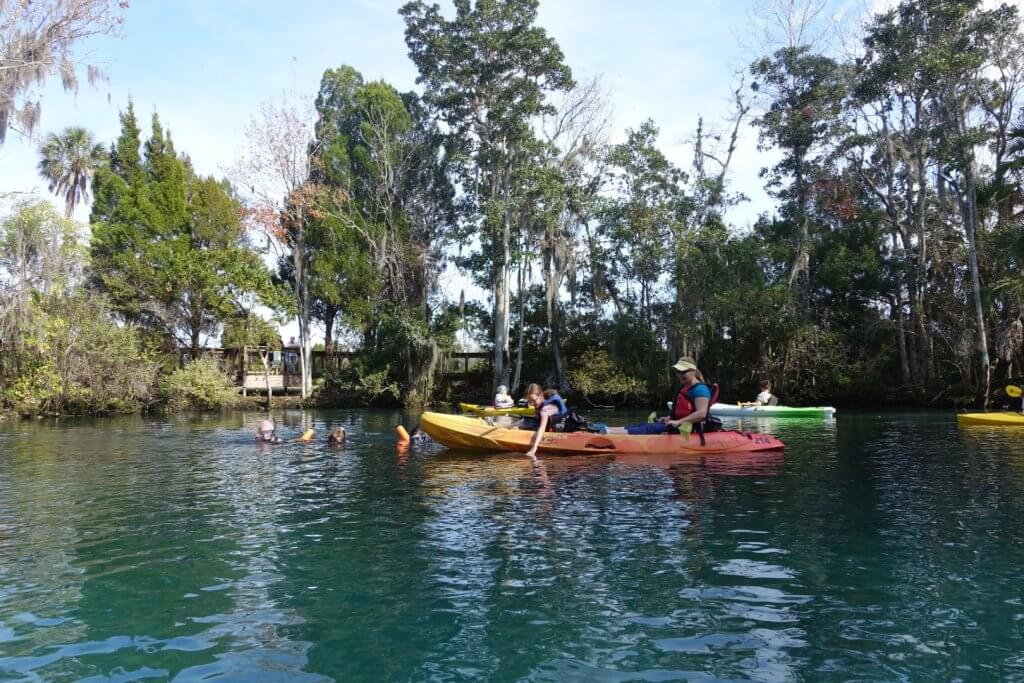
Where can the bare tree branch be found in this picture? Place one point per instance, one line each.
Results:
(37, 41)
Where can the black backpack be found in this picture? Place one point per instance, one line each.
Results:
(574, 422)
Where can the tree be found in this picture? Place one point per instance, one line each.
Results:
(389, 207)
(487, 72)
(37, 41)
(62, 352)
(168, 247)
(39, 252)
(942, 77)
(575, 133)
(961, 36)
(67, 163)
(804, 94)
(642, 218)
(281, 199)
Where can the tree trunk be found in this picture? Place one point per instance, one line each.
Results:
(517, 375)
(500, 319)
(924, 357)
(302, 291)
(552, 282)
(266, 375)
(556, 348)
(422, 357)
(901, 340)
(330, 313)
(798, 272)
(969, 209)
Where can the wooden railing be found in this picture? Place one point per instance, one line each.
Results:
(246, 366)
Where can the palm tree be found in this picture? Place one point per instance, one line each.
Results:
(67, 162)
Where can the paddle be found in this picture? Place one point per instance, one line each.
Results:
(1013, 391)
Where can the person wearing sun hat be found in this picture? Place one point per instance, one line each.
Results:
(690, 407)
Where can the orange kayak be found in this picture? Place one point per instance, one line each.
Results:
(460, 432)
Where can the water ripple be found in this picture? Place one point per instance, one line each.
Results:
(879, 548)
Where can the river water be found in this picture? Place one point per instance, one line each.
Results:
(882, 547)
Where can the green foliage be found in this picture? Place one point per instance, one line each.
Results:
(487, 73)
(168, 247)
(366, 380)
(894, 247)
(250, 330)
(77, 360)
(67, 162)
(379, 246)
(644, 215)
(200, 385)
(597, 377)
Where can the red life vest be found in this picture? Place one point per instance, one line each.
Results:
(683, 406)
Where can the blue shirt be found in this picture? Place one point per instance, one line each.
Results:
(698, 391)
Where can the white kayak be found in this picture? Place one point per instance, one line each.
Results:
(733, 410)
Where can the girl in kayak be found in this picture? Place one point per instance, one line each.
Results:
(545, 412)
(689, 409)
(551, 397)
(765, 398)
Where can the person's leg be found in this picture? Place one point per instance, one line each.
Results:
(528, 423)
(640, 429)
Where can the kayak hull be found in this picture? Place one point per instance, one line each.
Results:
(490, 411)
(461, 432)
(999, 419)
(727, 410)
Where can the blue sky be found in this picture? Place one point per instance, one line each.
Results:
(205, 65)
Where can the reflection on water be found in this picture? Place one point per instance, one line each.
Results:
(878, 547)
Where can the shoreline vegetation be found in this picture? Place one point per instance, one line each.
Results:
(889, 271)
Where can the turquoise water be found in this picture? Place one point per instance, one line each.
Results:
(883, 548)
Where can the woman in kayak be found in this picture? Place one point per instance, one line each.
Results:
(690, 407)
(502, 398)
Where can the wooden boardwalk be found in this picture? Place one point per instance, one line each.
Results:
(246, 367)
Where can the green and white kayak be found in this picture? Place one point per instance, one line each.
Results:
(733, 410)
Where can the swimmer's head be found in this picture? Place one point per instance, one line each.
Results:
(336, 437)
(265, 430)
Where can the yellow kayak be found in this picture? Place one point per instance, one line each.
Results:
(476, 409)
(1004, 418)
(461, 432)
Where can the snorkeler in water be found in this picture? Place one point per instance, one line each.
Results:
(337, 437)
(419, 437)
(266, 432)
